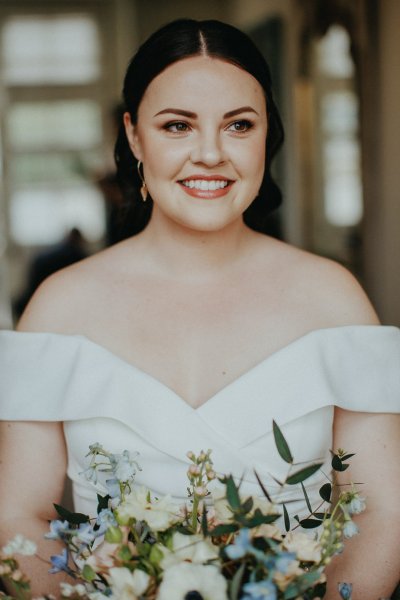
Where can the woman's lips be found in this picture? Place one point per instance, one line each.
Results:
(207, 187)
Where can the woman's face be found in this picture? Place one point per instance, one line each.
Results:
(201, 133)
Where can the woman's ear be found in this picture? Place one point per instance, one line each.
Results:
(131, 134)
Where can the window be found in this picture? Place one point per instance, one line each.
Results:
(339, 127)
(53, 127)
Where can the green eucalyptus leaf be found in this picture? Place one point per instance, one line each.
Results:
(262, 486)
(204, 524)
(303, 474)
(337, 464)
(71, 517)
(325, 492)
(223, 529)
(303, 583)
(259, 519)
(234, 588)
(232, 493)
(347, 456)
(247, 505)
(306, 497)
(286, 517)
(102, 502)
(281, 444)
(310, 523)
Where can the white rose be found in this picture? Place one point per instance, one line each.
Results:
(192, 548)
(181, 579)
(127, 585)
(303, 546)
(158, 514)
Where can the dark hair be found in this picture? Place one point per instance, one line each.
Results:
(176, 41)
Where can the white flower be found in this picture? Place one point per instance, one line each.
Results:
(126, 466)
(181, 579)
(68, 590)
(350, 529)
(221, 507)
(20, 545)
(356, 505)
(126, 585)
(267, 530)
(264, 505)
(158, 514)
(223, 513)
(192, 548)
(303, 546)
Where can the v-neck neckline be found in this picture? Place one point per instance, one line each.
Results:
(229, 386)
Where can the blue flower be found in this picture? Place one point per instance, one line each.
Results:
(85, 534)
(350, 529)
(345, 590)
(58, 530)
(105, 519)
(90, 474)
(113, 488)
(241, 545)
(283, 561)
(125, 466)
(261, 590)
(60, 562)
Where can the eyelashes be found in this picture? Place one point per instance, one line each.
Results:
(181, 127)
(241, 126)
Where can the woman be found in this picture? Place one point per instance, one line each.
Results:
(200, 330)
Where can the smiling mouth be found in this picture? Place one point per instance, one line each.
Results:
(205, 185)
(206, 188)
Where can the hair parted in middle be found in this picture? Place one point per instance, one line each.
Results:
(176, 41)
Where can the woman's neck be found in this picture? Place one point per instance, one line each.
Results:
(190, 254)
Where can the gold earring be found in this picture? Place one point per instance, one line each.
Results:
(143, 189)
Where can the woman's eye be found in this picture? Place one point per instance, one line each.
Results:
(240, 126)
(177, 127)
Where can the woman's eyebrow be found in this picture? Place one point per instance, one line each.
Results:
(237, 111)
(177, 111)
(192, 115)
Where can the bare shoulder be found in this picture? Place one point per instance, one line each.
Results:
(332, 294)
(66, 301)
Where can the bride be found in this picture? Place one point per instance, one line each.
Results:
(201, 329)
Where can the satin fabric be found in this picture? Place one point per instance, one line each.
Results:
(101, 398)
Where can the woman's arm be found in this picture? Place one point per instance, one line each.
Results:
(371, 560)
(32, 472)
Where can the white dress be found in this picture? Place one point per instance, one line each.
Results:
(102, 398)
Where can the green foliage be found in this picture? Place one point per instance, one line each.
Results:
(235, 584)
(303, 474)
(286, 517)
(71, 517)
(232, 493)
(325, 492)
(281, 444)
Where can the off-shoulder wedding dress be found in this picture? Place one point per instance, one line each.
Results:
(102, 398)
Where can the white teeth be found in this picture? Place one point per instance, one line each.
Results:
(205, 185)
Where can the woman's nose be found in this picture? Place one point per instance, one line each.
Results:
(208, 149)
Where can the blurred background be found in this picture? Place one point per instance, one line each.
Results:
(336, 70)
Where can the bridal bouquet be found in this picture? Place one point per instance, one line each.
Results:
(218, 546)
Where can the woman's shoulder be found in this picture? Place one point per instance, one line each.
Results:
(328, 290)
(65, 301)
